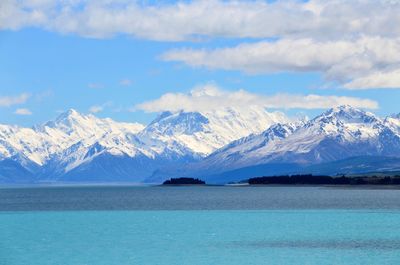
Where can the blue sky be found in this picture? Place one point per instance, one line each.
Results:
(112, 70)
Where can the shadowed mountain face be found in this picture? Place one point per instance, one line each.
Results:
(13, 172)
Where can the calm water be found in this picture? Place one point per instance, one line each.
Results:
(199, 225)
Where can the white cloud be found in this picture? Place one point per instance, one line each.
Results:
(23, 111)
(125, 82)
(44, 95)
(95, 85)
(184, 20)
(350, 42)
(96, 109)
(210, 97)
(100, 108)
(7, 101)
(389, 79)
(340, 61)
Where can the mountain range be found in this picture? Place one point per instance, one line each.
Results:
(217, 145)
(77, 147)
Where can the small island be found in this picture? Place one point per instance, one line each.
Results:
(184, 181)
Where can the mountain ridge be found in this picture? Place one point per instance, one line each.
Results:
(77, 147)
(338, 133)
(74, 143)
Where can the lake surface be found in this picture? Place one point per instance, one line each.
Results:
(199, 225)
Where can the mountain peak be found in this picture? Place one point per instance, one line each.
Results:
(69, 113)
(69, 120)
(347, 114)
(178, 123)
(344, 109)
(161, 116)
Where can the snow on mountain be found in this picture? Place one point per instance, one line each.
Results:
(251, 148)
(75, 126)
(44, 142)
(338, 133)
(24, 142)
(206, 131)
(74, 144)
(77, 147)
(393, 121)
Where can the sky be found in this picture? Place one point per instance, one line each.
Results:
(130, 60)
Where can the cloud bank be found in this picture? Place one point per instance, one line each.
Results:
(210, 97)
(353, 43)
(186, 20)
(368, 62)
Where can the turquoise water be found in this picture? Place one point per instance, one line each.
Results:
(353, 234)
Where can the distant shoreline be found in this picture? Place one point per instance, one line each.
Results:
(245, 185)
(306, 180)
(346, 186)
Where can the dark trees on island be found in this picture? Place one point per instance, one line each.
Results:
(184, 181)
(324, 180)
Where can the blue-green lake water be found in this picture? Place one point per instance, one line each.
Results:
(199, 225)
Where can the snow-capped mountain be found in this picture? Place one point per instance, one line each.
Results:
(338, 133)
(45, 146)
(393, 121)
(248, 149)
(77, 147)
(41, 143)
(84, 148)
(205, 132)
